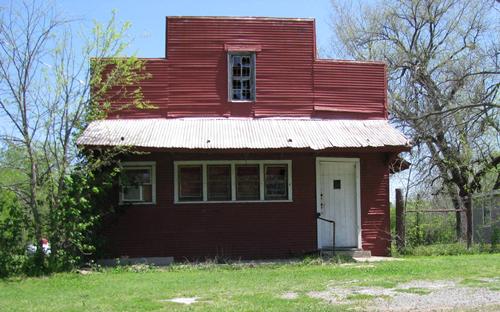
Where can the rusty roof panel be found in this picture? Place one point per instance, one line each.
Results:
(242, 133)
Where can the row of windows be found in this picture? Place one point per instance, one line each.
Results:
(211, 181)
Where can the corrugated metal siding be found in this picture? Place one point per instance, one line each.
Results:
(375, 216)
(290, 81)
(198, 66)
(215, 133)
(154, 89)
(244, 230)
(350, 87)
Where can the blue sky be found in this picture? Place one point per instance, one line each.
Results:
(148, 17)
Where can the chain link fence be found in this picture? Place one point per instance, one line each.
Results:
(486, 217)
(435, 220)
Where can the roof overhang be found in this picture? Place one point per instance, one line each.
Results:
(244, 133)
(398, 164)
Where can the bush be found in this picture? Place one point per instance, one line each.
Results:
(13, 258)
(451, 249)
(74, 226)
(495, 239)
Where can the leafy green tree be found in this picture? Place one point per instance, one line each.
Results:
(12, 249)
(443, 80)
(49, 91)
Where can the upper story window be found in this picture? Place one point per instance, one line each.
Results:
(241, 76)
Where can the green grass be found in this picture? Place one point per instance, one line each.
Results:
(230, 287)
(448, 249)
(492, 284)
(360, 297)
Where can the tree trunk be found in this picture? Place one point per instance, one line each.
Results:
(467, 204)
(468, 212)
(458, 215)
(37, 220)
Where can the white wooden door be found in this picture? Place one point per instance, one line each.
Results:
(338, 202)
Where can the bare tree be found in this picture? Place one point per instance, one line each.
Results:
(49, 90)
(443, 84)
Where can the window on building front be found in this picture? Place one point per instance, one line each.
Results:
(190, 183)
(276, 182)
(241, 75)
(137, 182)
(247, 182)
(219, 182)
(232, 181)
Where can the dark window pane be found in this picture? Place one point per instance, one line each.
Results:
(245, 72)
(236, 60)
(245, 84)
(219, 182)
(276, 182)
(147, 193)
(190, 183)
(236, 71)
(131, 176)
(245, 94)
(336, 184)
(245, 60)
(236, 84)
(247, 182)
(131, 193)
(236, 94)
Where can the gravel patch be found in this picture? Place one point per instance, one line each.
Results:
(340, 295)
(418, 295)
(442, 299)
(430, 285)
(327, 296)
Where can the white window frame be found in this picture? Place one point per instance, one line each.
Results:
(233, 164)
(230, 77)
(139, 165)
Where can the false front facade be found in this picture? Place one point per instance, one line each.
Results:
(255, 147)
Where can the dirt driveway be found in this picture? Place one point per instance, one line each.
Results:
(418, 295)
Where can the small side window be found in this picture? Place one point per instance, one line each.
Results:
(137, 184)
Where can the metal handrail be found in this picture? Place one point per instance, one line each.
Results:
(318, 216)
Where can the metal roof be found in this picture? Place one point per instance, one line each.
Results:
(245, 133)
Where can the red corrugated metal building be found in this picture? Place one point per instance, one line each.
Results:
(254, 146)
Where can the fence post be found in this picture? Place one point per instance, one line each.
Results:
(400, 221)
(468, 215)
